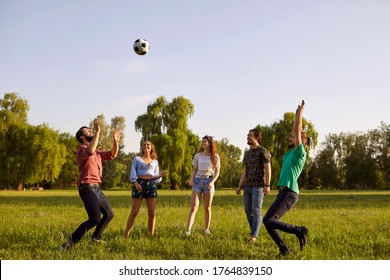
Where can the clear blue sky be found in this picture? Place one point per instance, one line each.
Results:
(241, 63)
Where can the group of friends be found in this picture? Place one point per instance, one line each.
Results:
(145, 174)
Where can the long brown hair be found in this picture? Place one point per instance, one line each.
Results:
(153, 154)
(213, 149)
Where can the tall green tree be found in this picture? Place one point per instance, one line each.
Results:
(13, 110)
(29, 154)
(231, 167)
(327, 166)
(69, 171)
(14, 144)
(151, 123)
(165, 124)
(360, 164)
(379, 144)
(355, 160)
(48, 155)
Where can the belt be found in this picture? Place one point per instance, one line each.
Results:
(86, 185)
(204, 176)
(282, 189)
(145, 180)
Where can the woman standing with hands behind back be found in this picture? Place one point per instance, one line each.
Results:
(145, 175)
(206, 166)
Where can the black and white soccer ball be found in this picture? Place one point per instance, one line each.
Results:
(141, 46)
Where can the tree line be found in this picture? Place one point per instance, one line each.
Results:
(39, 157)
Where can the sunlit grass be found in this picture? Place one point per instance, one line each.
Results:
(343, 225)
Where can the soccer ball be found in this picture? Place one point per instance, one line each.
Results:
(141, 46)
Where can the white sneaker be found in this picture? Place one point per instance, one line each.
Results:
(207, 231)
(93, 240)
(187, 233)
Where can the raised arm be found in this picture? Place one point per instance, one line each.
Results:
(115, 147)
(297, 127)
(93, 144)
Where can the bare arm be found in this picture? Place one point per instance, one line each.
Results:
(216, 172)
(267, 175)
(194, 171)
(297, 127)
(115, 147)
(216, 175)
(93, 144)
(242, 181)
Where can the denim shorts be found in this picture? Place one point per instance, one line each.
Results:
(149, 189)
(200, 185)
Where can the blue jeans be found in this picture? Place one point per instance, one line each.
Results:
(285, 200)
(95, 203)
(253, 201)
(200, 185)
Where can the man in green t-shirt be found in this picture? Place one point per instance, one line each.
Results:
(293, 163)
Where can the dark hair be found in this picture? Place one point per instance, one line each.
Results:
(213, 149)
(305, 139)
(257, 134)
(80, 133)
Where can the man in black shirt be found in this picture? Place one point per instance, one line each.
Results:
(255, 180)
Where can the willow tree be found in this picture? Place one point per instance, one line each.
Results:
(165, 124)
(28, 154)
(151, 123)
(48, 155)
(69, 171)
(14, 154)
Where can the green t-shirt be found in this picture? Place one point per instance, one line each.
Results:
(293, 162)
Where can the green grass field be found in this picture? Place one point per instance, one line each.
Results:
(342, 225)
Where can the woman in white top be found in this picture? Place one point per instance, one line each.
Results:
(206, 166)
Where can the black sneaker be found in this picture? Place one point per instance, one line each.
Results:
(284, 253)
(302, 236)
(66, 245)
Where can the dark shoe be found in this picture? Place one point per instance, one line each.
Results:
(284, 253)
(302, 236)
(66, 245)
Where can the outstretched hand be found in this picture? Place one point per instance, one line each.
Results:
(96, 124)
(301, 107)
(117, 135)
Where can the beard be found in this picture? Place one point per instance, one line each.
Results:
(88, 138)
(291, 145)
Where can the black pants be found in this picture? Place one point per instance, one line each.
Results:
(95, 203)
(285, 200)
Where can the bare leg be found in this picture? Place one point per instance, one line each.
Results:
(151, 203)
(194, 208)
(135, 206)
(208, 200)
